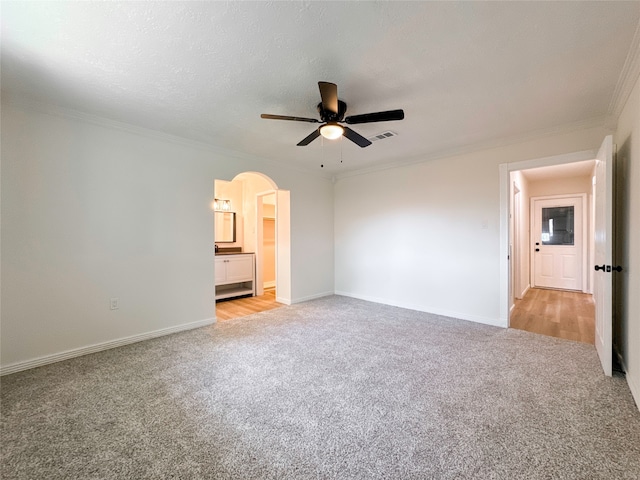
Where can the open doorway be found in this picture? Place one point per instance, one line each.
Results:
(549, 285)
(254, 199)
(602, 231)
(267, 242)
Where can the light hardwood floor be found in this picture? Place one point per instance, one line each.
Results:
(240, 307)
(557, 313)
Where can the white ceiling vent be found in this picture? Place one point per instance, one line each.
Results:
(382, 136)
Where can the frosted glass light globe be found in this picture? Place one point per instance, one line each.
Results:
(331, 131)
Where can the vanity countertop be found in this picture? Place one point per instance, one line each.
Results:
(233, 253)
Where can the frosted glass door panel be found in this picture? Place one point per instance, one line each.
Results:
(557, 226)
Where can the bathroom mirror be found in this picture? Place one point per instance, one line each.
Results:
(225, 227)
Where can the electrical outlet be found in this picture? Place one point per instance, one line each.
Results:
(114, 304)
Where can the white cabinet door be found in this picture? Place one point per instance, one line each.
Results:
(220, 271)
(235, 275)
(239, 268)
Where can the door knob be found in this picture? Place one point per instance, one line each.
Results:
(599, 267)
(617, 268)
(537, 249)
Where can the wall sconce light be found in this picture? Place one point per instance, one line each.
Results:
(221, 205)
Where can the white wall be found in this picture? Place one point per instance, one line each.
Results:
(560, 186)
(426, 236)
(92, 211)
(269, 252)
(232, 191)
(627, 332)
(252, 185)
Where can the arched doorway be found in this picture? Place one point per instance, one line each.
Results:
(247, 194)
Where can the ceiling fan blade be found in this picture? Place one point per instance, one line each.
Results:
(307, 140)
(356, 137)
(376, 117)
(329, 94)
(285, 117)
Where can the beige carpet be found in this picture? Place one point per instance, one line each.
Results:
(332, 388)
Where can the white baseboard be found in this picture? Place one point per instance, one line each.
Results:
(311, 297)
(507, 321)
(285, 301)
(78, 352)
(271, 284)
(496, 322)
(634, 384)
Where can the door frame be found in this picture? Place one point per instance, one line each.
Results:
(283, 233)
(505, 237)
(515, 291)
(260, 240)
(283, 243)
(585, 236)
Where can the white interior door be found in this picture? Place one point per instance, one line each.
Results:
(603, 240)
(557, 248)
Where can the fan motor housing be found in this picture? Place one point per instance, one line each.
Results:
(329, 116)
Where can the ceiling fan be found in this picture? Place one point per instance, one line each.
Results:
(332, 112)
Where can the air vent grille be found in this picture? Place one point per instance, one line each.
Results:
(382, 136)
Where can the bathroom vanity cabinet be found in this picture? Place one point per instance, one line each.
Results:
(235, 275)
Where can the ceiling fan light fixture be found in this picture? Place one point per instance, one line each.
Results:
(331, 131)
(332, 111)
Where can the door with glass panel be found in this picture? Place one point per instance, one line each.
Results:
(557, 237)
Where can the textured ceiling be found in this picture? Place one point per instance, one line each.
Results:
(467, 74)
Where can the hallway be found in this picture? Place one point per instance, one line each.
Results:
(556, 313)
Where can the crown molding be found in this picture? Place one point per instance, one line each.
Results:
(54, 110)
(594, 122)
(57, 111)
(627, 79)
